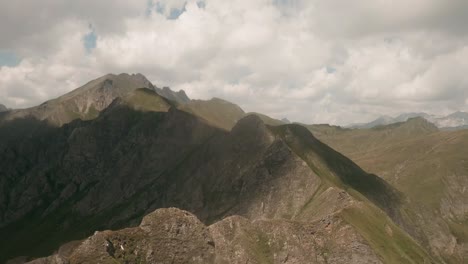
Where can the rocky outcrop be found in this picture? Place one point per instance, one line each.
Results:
(176, 236)
(328, 240)
(164, 236)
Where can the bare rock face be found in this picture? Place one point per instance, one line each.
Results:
(176, 236)
(87, 101)
(164, 236)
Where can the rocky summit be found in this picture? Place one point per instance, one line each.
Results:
(119, 172)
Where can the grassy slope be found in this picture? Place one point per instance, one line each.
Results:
(397, 247)
(216, 112)
(427, 166)
(147, 100)
(222, 114)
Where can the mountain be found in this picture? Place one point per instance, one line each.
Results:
(262, 193)
(267, 120)
(454, 121)
(3, 108)
(252, 171)
(286, 121)
(217, 112)
(87, 101)
(405, 116)
(383, 120)
(427, 166)
(179, 97)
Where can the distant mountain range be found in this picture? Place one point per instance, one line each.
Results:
(454, 121)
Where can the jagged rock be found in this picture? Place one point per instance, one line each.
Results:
(87, 101)
(164, 236)
(176, 236)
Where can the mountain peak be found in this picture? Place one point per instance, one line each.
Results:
(85, 102)
(456, 120)
(249, 121)
(459, 114)
(3, 108)
(178, 97)
(252, 128)
(286, 121)
(412, 127)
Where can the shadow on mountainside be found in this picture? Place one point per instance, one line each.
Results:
(63, 183)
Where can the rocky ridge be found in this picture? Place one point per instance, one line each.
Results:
(87, 101)
(144, 152)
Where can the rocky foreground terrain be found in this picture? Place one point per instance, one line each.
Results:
(118, 171)
(176, 236)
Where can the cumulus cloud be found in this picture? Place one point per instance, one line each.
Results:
(311, 61)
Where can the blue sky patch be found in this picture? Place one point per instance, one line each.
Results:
(149, 7)
(8, 58)
(175, 13)
(90, 39)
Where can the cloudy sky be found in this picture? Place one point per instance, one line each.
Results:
(314, 61)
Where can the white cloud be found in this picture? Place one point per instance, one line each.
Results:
(312, 61)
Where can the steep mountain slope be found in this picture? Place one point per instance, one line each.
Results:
(427, 166)
(268, 120)
(3, 108)
(63, 183)
(87, 101)
(47, 171)
(84, 102)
